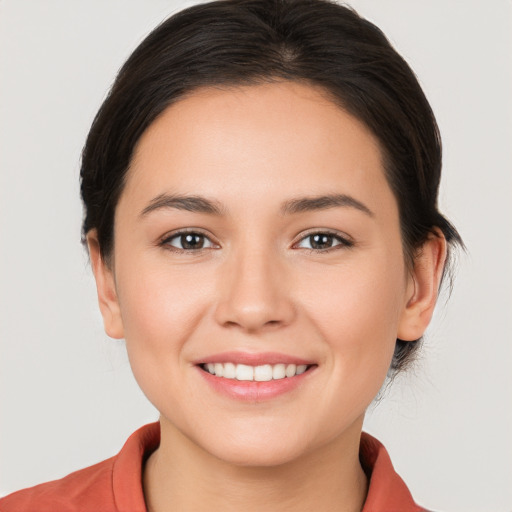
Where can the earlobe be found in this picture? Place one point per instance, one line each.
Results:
(106, 289)
(423, 287)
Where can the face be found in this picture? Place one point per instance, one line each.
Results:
(257, 238)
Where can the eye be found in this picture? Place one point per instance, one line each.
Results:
(323, 241)
(189, 241)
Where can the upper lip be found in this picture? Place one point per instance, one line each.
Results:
(253, 359)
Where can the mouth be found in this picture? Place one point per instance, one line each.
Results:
(254, 377)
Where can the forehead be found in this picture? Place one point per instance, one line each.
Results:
(269, 140)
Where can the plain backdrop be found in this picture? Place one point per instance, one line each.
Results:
(67, 397)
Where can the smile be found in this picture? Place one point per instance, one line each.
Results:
(254, 377)
(260, 373)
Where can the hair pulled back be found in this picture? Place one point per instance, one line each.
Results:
(243, 42)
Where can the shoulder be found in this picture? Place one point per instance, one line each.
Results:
(83, 490)
(114, 485)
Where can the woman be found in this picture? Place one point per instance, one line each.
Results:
(260, 194)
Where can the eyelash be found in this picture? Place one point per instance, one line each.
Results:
(165, 242)
(343, 242)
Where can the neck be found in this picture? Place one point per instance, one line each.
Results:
(179, 475)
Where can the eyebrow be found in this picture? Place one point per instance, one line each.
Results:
(324, 202)
(189, 203)
(199, 204)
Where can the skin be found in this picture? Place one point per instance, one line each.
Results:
(258, 286)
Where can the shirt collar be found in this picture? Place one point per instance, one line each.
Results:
(386, 491)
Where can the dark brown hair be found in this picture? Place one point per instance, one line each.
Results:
(242, 42)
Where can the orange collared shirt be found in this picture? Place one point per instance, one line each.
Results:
(115, 485)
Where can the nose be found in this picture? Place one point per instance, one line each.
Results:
(255, 292)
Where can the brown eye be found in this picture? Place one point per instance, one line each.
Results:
(323, 241)
(189, 241)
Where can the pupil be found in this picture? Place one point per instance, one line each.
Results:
(192, 241)
(321, 241)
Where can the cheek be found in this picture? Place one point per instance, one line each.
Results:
(160, 300)
(357, 308)
(161, 307)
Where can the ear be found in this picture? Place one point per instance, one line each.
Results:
(106, 288)
(423, 287)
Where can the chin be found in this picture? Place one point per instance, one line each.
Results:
(256, 448)
(258, 456)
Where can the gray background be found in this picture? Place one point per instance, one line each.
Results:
(67, 397)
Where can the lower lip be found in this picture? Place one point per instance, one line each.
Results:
(253, 391)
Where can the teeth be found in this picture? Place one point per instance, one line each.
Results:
(290, 370)
(229, 371)
(261, 373)
(243, 372)
(301, 368)
(279, 371)
(219, 369)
